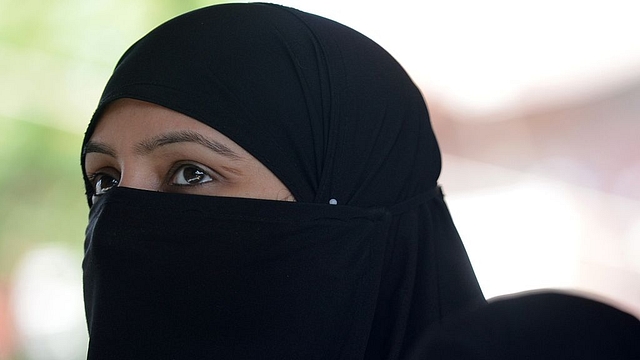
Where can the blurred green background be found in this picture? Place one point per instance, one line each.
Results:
(55, 58)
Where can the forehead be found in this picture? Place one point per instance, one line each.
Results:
(129, 124)
(135, 118)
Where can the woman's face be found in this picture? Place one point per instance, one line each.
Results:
(145, 146)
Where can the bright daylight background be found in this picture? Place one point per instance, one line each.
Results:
(536, 106)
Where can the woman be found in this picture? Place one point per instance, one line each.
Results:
(321, 233)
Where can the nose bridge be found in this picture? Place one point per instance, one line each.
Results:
(136, 174)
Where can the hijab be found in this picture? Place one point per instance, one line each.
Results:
(537, 325)
(358, 267)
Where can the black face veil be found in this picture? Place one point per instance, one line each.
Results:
(334, 117)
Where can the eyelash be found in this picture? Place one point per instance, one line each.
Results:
(209, 175)
(96, 178)
(206, 172)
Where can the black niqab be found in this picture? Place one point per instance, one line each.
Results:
(335, 118)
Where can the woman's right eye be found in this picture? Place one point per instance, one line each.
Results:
(103, 183)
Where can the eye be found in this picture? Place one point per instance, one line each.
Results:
(103, 183)
(190, 175)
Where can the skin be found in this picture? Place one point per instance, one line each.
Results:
(145, 146)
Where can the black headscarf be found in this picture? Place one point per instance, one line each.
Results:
(334, 117)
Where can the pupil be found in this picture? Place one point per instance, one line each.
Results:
(193, 175)
(106, 183)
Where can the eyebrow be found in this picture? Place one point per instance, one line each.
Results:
(149, 145)
(96, 147)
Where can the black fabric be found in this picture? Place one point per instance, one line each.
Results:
(544, 325)
(226, 278)
(333, 116)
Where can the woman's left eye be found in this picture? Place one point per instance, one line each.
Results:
(190, 175)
